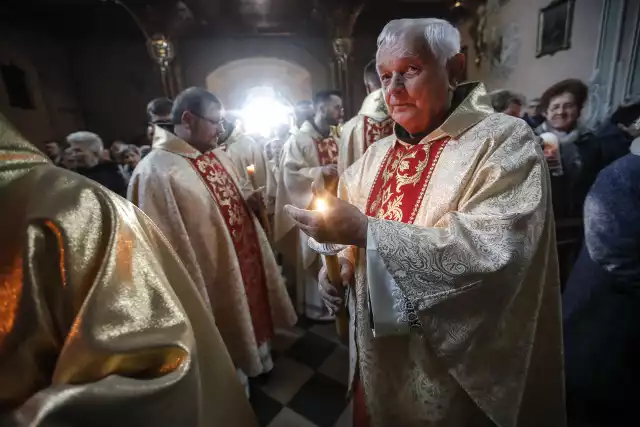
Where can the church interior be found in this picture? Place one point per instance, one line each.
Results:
(69, 65)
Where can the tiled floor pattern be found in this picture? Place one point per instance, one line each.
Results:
(308, 385)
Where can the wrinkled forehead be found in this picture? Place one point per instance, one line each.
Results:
(408, 43)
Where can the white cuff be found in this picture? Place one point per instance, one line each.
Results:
(386, 301)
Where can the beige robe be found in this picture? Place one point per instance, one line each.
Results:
(168, 189)
(273, 153)
(244, 151)
(353, 141)
(465, 302)
(299, 172)
(101, 324)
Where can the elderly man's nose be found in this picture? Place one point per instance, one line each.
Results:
(397, 83)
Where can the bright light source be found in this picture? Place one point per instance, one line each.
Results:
(263, 112)
(321, 205)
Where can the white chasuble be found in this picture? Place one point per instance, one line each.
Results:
(197, 202)
(303, 156)
(371, 124)
(244, 151)
(456, 309)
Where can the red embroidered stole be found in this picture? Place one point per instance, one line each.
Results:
(241, 227)
(374, 131)
(402, 180)
(327, 149)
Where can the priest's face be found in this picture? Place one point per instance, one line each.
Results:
(416, 85)
(332, 110)
(205, 129)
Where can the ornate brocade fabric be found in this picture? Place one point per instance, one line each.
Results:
(402, 180)
(374, 130)
(327, 149)
(239, 221)
(372, 123)
(479, 267)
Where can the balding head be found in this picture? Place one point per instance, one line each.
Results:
(197, 117)
(419, 64)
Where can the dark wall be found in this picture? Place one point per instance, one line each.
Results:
(54, 110)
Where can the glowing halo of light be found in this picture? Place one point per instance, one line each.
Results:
(263, 112)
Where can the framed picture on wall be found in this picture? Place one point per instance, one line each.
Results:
(554, 27)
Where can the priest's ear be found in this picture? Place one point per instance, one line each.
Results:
(455, 69)
(187, 119)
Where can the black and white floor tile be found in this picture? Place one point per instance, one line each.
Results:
(308, 384)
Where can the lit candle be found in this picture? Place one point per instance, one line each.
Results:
(333, 273)
(251, 171)
(264, 218)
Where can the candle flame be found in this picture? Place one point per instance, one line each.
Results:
(321, 205)
(251, 168)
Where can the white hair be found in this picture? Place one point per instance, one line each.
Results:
(441, 38)
(86, 139)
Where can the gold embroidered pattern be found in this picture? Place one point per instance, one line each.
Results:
(240, 225)
(401, 182)
(327, 149)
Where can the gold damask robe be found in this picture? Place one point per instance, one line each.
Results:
(303, 156)
(456, 307)
(245, 151)
(371, 124)
(166, 186)
(100, 324)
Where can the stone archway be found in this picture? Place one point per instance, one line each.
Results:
(231, 81)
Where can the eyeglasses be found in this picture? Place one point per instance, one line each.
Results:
(217, 123)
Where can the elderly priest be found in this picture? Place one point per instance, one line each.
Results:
(451, 263)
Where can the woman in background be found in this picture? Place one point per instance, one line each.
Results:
(577, 149)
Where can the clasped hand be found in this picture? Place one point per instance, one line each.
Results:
(332, 297)
(255, 199)
(340, 223)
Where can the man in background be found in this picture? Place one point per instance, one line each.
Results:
(159, 114)
(303, 111)
(533, 116)
(244, 151)
(369, 125)
(192, 191)
(87, 149)
(507, 102)
(273, 148)
(53, 150)
(310, 158)
(101, 324)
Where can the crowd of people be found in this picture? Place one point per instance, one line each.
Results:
(440, 203)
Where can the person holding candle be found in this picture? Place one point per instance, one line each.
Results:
(368, 126)
(452, 269)
(192, 190)
(244, 151)
(310, 159)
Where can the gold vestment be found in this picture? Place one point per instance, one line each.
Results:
(100, 323)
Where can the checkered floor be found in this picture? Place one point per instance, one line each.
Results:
(308, 385)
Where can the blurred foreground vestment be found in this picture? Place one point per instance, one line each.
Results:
(100, 323)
